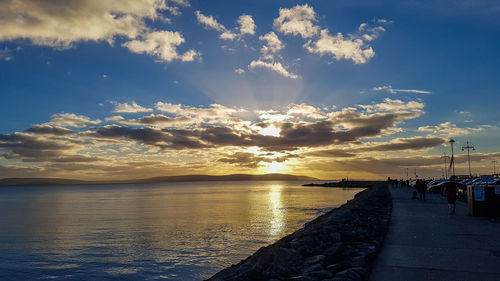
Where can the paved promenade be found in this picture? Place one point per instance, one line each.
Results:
(425, 243)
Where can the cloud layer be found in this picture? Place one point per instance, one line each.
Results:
(189, 138)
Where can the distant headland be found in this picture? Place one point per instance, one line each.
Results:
(183, 178)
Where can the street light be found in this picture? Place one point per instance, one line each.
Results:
(445, 164)
(494, 167)
(468, 147)
(452, 141)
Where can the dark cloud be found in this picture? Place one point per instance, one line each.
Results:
(174, 139)
(161, 119)
(417, 143)
(250, 160)
(11, 171)
(27, 145)
(292, 135)
(42, 148)
(340, 153)
(243, 159)
(45, 129)
(153, 120)
(145, 135)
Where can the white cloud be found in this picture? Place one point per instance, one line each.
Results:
(273, 44)
(270, 55)
(384, 21)
(130, 108)
(174, 9)
(305, 110)
(72, 120)
(298, 20)
(274, 66)
(209, 22)
(245, 22)
(162, 44)
(341, 48)
(411, 109)
(449, 129)
(6, 54)
(214, 113)
(190, 55)
(239, 71)
(370, 33)
(59, 24)
(228, 35)
(394, 91)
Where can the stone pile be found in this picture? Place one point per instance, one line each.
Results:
(339, 245)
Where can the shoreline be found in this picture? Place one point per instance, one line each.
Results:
(165, 179)
(343, 183)
(340, 244)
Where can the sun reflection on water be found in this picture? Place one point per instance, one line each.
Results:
(278, 214)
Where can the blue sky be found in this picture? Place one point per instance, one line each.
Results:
(432, 67)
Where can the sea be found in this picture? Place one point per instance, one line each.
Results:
(173, 231)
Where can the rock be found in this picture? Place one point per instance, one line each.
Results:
(301, 278)
(358, 260)
(334, 249)
(335, 236)
(301, 242)
(285, 262)
(334, 268)
(307, 246)
(314, 259)
(346, 239)
(320, 274)
(353, 273)
(314, 267)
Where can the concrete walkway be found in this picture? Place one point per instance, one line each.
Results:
(426, 243)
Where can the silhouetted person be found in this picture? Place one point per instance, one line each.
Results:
(421, 187)
(390, 181)
(450, 189)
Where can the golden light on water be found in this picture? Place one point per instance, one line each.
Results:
(278, 214)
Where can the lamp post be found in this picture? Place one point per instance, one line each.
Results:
(468, 147)
(445, 164)
(494, 167)
(452, 141)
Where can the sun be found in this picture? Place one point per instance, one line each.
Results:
(275, 167)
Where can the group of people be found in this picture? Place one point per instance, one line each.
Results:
(450, 190)
(421, 188)
(394, 182)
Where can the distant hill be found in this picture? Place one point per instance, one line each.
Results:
(184, 178)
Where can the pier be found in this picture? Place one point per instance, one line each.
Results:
(424, 242)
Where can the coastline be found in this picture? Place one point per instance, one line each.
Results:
(342, 183)
(338, 245)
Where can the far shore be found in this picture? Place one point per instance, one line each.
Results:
(183, 178)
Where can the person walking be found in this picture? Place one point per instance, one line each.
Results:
(450, 189)
(421, 187)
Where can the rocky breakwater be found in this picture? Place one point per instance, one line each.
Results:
(339, 245)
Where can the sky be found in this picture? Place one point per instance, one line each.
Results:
(124, 89)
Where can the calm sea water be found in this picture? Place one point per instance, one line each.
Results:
(176, 231)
